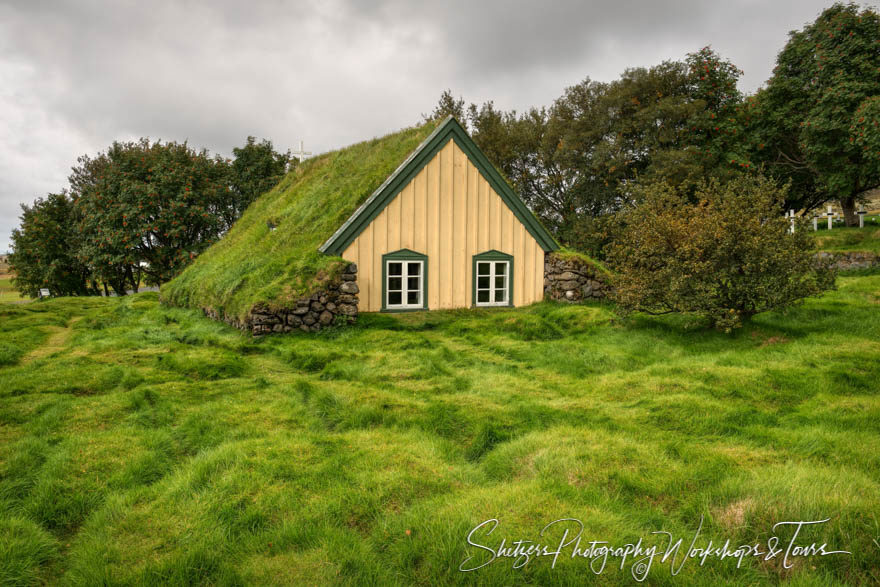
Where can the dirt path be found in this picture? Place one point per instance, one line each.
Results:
(56, 342)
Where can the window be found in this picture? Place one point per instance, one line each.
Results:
(493, 279)
(404, 281)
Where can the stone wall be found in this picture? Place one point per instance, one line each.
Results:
(571, 279)
(335, 303)
(845, 260)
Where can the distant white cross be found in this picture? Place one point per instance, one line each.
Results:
(830, 214)
(301, 154)
(861, 214)
(815, 223)
(791, 220)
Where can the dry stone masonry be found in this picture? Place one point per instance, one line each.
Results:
(336, 303)
(844, 261)
(571, 279)
(566, 278)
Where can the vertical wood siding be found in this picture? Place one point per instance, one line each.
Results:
(450, 213)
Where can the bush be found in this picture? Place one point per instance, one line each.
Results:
(727, 258)
(594, 235)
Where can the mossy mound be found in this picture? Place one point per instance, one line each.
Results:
(270, 256)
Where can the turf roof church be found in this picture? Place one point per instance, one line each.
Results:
(445, 230)
(415, 220)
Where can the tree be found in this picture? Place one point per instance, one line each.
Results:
(714, 139)
(811, 118)
(147, 207)
(676, 122)
(866, 134)
(727, 257)
(578, 161)
(533, 160)
(447, 106)
(256, 169)
(45, 250)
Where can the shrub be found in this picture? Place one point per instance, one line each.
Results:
(594, 235)
(727, 257)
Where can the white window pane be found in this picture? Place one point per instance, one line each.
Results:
(412, 297)
(395, 268)
(483, 296)
(394, 298)
(499, 295)
(414, 268)
(499, 282)
(483, 282)
(394, 283)
(412, 283)
(482, 268)
(501, 268)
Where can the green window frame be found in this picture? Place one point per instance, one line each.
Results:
(404, 272)
(492, 274)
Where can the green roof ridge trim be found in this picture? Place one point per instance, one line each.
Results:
(449, 129)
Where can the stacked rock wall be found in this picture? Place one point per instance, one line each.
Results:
(843, 261)
(570, 279)
(336, 302)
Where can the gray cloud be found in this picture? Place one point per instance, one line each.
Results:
(74, 76)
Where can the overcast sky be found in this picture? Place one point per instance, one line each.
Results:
(75, 76)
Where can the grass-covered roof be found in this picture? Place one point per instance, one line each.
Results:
(253, 263)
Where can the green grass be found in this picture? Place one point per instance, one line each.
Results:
(849, 239)
(253, 263)
(566, 253)
(7, 293)
(142, 444)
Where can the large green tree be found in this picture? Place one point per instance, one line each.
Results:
(255, 169)
(816, 120)
(138, 210)
(44, 249)
(577, 161)
(147, 208)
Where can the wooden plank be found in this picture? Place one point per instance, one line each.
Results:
(490, 218)
(498, 207)
(420, 201)
(483, 214)
(539, 272)
(392, 212)
(529, 284)
(407, 216)
(366, 271)
(433, 231)
(460, 270)
(351, 253)
(472, 228)
(444, 276)
(380, 247)
(509, 221)
(518, 265)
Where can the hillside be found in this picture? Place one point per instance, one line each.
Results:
(841, 239)
(256, 263)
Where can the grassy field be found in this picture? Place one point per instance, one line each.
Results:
(849, 239)
(7, 294)
(146, 444)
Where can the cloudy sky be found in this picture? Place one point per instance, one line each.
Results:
(75, 76)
